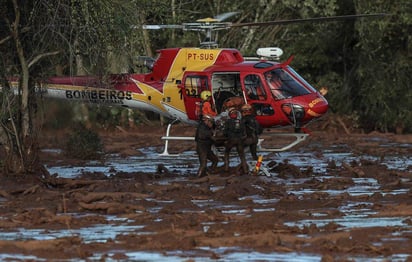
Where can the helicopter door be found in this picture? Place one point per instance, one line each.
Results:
(224, 86)
(254, 88)
(192, 86)
(256, 95)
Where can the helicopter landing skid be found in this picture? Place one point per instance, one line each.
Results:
(299, 137)
(167, 137)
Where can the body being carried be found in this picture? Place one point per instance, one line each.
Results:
(235, 127)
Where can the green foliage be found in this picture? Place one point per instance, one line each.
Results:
(384, 73)
(100, 32)
(84, 144)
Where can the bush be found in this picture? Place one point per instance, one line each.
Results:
(84, 144)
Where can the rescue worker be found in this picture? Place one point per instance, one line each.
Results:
(206, 105)
(204, 142)
(234, 132)
(253, 129)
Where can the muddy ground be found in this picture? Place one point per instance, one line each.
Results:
(296, 214)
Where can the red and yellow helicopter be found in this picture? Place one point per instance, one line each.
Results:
(178, 75)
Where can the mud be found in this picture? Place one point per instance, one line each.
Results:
(336, 197)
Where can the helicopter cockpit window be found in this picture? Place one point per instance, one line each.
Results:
(254, 88)
(194, 85)
(282, 85)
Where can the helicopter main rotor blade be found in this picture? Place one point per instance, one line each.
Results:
(218, 18)
(157, 27)
(316, 19)
(224, 16)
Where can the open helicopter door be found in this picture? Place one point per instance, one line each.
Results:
(259, 98)
(224, 86)
(193, 85)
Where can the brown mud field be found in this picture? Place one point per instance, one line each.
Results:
(339, 196)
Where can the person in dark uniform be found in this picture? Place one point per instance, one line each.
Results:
(204, 142)
(235, 133)
(253, 129)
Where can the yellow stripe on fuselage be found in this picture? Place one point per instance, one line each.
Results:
(150, 95)
(187, 59)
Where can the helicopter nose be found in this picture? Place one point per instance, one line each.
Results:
(317, 107)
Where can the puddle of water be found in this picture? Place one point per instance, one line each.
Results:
(353, 221)
(362, 186)
(392, 258)
(259, 200)
(225, 254)
(145, 163)
(19, 257)
(187, 162)
(233, 209)
(94, 234)
(136, 256)
(257, 256)
(356, 215)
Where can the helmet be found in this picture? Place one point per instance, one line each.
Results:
(246, 109)
(205, 95)
(233, 113)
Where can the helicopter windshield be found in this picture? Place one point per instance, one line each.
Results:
(282, 85)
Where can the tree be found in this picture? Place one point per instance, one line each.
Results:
(35, 37)
(18, 43)
(384, 74)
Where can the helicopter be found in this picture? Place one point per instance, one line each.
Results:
(177, 77)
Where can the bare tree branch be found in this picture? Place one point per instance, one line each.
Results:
(4, 40)
(37, 58)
